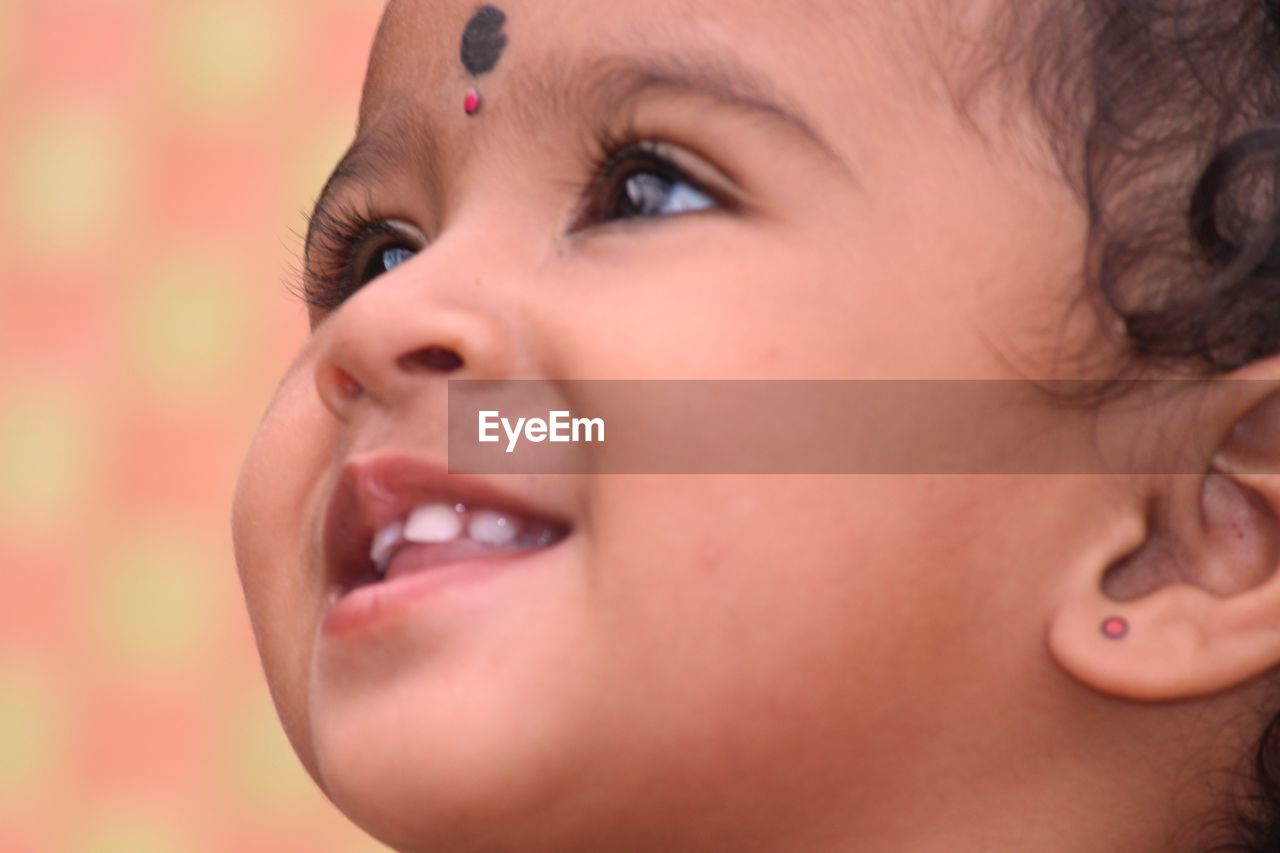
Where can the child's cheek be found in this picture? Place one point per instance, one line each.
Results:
(273, 510)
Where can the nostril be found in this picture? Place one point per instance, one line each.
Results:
(348, 384)
(337, 388)
(433, 358)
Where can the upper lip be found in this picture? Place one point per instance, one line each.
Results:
(374, 489)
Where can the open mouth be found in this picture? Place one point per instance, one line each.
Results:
(396, 515)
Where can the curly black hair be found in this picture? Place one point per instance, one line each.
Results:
(1164, 117)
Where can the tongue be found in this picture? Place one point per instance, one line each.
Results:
(418, 556)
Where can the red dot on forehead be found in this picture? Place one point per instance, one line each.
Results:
(1115, 627)
(472, 102)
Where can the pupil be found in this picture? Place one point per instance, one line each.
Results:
(394, 257)
(645, 193)
(385, 261)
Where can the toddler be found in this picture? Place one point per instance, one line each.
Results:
(1035, 191)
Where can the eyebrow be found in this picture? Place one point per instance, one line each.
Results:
(563, 91)
(614, 83)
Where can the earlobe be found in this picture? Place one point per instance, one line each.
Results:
(1177, 643)
(1134, 649)
(1190, 606)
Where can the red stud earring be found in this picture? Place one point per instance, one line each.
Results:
(472, 102)
(1114, 628)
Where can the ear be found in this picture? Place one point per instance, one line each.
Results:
(1183, 598)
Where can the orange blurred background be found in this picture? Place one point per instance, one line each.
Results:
(156, 159)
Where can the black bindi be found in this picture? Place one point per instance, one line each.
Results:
(483, 41)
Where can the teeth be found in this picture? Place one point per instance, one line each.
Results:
(440, 523)
(492, 528)
(433, 523)
(384, 544)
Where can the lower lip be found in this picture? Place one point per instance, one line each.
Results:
(363, 608)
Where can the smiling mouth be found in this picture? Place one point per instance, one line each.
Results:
(393, 515)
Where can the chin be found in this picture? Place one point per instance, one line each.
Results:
(422, 770)
(431, 797)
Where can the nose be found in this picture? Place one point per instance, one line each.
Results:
(404, 332)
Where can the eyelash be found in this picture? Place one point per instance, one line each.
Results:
(338, 229)
(335, 231)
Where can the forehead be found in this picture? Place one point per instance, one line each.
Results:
(815, 45)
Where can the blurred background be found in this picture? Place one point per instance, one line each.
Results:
(156, 160)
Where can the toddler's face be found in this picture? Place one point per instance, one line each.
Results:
(698, 656)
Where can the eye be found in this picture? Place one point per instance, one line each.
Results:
(642, 181)
(382, 261)
(347, 251)
(652, 194)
